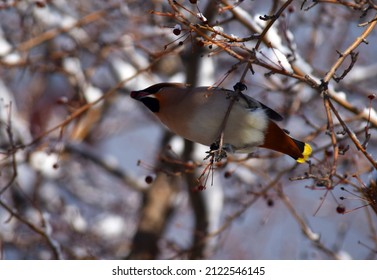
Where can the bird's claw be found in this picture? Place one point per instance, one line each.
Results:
(215, 153)
(239, 87)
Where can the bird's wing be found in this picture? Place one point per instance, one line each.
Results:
(253, 104)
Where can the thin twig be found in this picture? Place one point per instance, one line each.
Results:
(85, 152)
(52, 33)
(330, 129)
(272, 20)
(307, 231)
(12, 150)
(53, 244)
(349, 50)
(353, 137)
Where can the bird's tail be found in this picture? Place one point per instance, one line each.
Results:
(276, 139)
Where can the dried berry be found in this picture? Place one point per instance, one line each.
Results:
(62, 100)
(200, 43)
(227, 174)
(40, 4)
(341, 209)
(270, 202)
(201, 188)
(177, 29)
(148, 179)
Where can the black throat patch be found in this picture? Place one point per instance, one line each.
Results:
(152, 103)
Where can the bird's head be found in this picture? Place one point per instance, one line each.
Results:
(156, 95)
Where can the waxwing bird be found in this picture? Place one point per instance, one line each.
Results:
(197, 114)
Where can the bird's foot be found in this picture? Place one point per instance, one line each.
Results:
(216, 153)
(239, 87)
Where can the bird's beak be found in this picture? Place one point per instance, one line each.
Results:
(139, 94)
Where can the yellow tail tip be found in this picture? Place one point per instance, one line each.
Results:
(305, 154)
